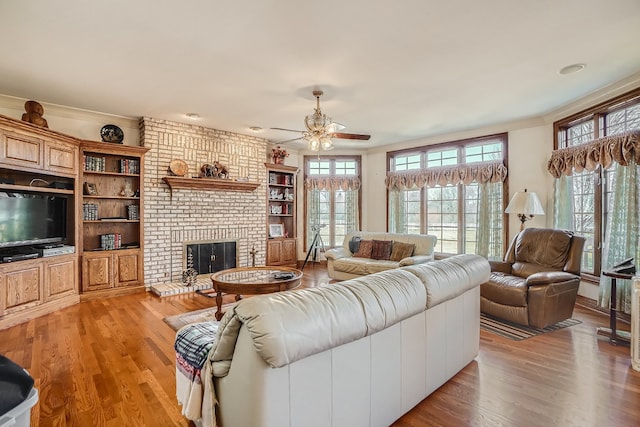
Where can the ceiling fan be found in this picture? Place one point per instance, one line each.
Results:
(320, 129)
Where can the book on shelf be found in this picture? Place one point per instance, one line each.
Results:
(111, 241)
(130, 166)
(93, 163)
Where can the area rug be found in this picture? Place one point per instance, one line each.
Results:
(517, 332)
(177, 321)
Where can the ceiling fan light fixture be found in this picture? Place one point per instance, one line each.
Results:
(326, 143)
(314, 143)
(320, 129)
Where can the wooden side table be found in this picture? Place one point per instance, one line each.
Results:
(615, 337)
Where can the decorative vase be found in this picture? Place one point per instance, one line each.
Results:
(278, 160)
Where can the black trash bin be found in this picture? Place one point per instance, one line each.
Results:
(17, 395)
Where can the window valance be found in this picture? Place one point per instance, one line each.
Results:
(332, 183)
(465, 174)
(602, 151)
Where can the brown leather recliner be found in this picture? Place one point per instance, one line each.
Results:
(537, 283)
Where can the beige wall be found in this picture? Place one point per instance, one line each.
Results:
(82, 124)
(530, 144)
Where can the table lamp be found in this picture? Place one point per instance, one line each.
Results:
(526, 205)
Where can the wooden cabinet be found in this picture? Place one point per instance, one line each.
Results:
(21, 285)
(60, 277)
(281, 214)
(38, 154)
(60, 158)
(112, 218)
(111, 269)
(40, 163)
(281, 251)
(31, 288)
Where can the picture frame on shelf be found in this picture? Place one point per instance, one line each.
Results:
(90, 189)
(276, 209)
(276, 230)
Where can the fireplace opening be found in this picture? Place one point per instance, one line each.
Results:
(210, 256)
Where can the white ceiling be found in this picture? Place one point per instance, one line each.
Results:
(398, 70)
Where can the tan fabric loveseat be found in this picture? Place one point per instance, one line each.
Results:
(342, 264)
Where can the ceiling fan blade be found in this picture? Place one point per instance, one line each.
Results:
(286, 141)
(350, 136)
(287, 130)
(334, 127)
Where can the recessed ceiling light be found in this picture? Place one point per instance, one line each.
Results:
(573, 68)
(255, 129)
(193, 116)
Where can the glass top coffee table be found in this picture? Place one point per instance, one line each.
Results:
(253, 281)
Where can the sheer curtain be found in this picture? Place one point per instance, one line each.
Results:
(621, 240)
(313, 212)
(397, 211)
(563, 210)
(489, 227)
(352, 213)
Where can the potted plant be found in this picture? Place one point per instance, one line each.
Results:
(278, 154)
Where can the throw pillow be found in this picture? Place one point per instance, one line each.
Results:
(401, 250)
(364, 251)
(381, 249)
(354, 244)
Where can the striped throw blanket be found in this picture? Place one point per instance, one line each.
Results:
(192, 345)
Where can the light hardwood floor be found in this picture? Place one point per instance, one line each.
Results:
(110, 362)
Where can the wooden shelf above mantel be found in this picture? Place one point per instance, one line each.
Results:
(178, 183)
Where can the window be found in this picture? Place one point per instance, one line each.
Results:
(426, 196)
(592, 192)
(332, 198)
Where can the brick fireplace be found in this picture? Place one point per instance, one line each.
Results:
(187, 215)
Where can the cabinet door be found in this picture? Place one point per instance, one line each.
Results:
(274, 252)
(60, 157)
(289, 251)
(20, 150)
(97, 271)
(22, 287)
(126, 267)
(59, 277)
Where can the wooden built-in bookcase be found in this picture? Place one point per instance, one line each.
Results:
(111, 214)
(281, 214)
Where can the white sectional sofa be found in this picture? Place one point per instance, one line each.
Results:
(357, 353)
(343, 265)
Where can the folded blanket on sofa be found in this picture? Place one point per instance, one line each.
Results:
(192, 345)
(194, 341)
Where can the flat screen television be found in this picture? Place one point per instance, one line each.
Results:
(32, 219)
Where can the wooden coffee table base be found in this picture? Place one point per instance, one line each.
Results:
(252, 281)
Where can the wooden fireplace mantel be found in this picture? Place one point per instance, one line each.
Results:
(179, 183)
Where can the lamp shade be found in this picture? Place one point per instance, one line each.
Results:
(525, 203)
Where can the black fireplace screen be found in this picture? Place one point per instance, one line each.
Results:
(211, 257)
